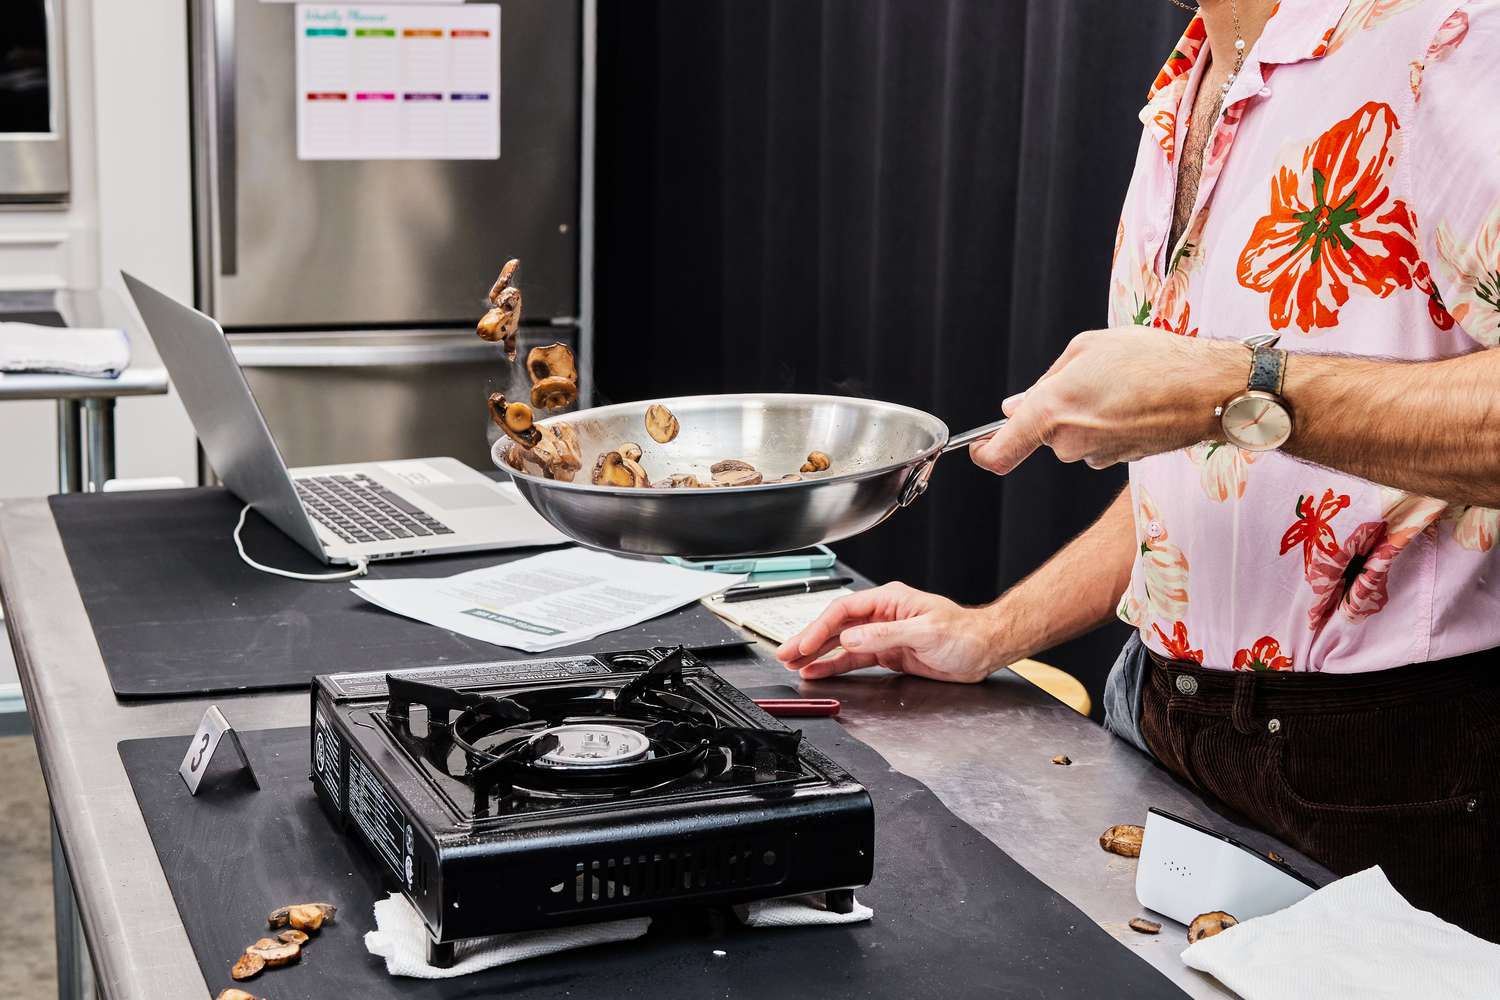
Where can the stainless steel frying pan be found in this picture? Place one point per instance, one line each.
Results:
(882, 457)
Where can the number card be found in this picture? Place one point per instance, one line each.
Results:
(211, 731)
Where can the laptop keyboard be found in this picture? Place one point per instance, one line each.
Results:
(358, 509)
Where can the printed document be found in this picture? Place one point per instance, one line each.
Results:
(546, 601)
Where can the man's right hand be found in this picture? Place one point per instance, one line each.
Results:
(901, 629)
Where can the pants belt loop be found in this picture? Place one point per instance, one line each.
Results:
(1243, 707)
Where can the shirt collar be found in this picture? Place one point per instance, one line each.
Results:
(1296, 30)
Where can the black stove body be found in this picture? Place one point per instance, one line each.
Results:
(541, 793)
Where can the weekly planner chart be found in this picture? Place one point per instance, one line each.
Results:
(398, 82)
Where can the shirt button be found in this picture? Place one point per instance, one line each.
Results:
(1187, 684)
(1274, 726)
(1150, 234)
(1264, 92)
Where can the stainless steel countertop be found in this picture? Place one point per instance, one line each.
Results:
(86, 308)
(985, 750)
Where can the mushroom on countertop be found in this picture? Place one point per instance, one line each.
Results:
(1206, 925)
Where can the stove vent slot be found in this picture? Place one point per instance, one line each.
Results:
(690, 870)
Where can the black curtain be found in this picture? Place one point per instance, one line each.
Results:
(912, 200)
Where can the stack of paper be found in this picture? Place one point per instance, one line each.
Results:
(546, 601)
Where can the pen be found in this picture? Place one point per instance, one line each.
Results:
(756, 591)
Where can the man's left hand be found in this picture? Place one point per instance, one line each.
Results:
(1117, 396)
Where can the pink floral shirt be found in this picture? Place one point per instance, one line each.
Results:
(1349, 201)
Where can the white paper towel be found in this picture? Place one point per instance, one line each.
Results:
(1356, 937)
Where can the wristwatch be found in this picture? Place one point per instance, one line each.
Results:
(1259, 418)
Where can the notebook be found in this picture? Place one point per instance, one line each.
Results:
(776, 618)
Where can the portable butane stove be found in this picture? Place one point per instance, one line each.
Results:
(541, 793)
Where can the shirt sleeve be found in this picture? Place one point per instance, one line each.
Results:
(1454, 153)
(1455, 161)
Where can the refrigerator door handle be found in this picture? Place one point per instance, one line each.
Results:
(222, 94)
(260, 351)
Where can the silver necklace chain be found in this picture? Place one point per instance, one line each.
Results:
(1239, 44)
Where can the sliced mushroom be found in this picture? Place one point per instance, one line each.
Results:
(1062, 759)
(305, 918)
(1206, 925)
(507, 274)
(679, 481)
(731, 465)
(283, 916)
(614, 469)
(790, 477)
(515, 456)
(1123, 839)
(1145, 926)
(661, 424)
(502, 321)
(557, 452)
(295, 937)
(817, 461)
(552, 361)
(233, 994)
(515, 419)
(276, 953)
(738, 477)
(630, 450)
(247, 966)
(554, 393)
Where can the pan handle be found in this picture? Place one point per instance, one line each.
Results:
(916, 482)
(969, 437)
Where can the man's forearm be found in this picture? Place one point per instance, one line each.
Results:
(1073, 592)
(1428, 427)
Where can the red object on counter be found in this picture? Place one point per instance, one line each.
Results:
(799, 708)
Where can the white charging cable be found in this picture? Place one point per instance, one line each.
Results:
(360, 570)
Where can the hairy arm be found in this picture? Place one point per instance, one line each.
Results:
(1073, 592)
(1429, 427)
(926, 635)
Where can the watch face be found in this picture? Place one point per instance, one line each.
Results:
(1257, 421)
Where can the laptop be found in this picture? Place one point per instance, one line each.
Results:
(343, 514)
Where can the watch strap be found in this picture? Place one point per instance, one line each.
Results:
(1267, 369)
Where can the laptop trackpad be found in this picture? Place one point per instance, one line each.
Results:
(460, 496)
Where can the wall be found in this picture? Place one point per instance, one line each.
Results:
(127, 80)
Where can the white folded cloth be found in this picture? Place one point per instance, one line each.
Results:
(400, 937)
(1356, 937)
(798, 911)
(29, 347)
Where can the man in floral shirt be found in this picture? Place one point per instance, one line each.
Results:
(1318, 611)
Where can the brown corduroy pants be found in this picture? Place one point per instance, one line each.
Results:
(1398, 768)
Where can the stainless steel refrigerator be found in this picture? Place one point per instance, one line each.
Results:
(350, 287)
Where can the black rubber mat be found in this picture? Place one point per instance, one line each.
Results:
(176, 613)
(955, 917)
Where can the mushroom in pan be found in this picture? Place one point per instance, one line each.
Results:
(661, 423)
(515, 419)
(614, 469)
(630, 450)
(679, 481)
(817, 461)
(558, 453)
(733, 472)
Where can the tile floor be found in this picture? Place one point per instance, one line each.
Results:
(27, 971)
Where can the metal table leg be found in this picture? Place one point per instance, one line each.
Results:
(99, 442)
(69, 469)
(75, 971)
